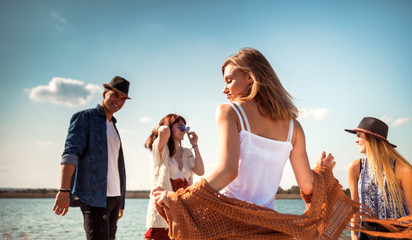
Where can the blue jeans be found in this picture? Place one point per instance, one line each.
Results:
(101, 223)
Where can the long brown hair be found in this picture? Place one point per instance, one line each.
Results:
(168, 120)
(379, 154)
(266, 89)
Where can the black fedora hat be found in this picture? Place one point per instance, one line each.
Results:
(119, 85)
(373, 127)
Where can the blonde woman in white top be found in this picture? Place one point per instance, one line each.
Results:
(173, 166)
(257, 133)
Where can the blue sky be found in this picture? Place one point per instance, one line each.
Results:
(341, 60)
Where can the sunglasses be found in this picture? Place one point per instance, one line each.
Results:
(183, 128)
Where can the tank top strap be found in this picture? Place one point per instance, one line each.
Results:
(361, 165)
(246, 122)
(237, 109)
(290, 134)
(238, 115)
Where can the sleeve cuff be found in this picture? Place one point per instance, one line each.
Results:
(70, 159)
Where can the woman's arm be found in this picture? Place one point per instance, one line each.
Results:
(403, 174)
(199, 168)
(353, 177)
(228, 148)
(163, 135)
(300, 163)
(299, 160)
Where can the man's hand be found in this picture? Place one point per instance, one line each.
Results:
(61, 204)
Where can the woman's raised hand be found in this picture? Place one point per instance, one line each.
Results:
(326, 161)
(192, 138)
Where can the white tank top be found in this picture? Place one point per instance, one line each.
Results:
(261, 165)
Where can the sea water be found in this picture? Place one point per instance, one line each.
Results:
(35, 219)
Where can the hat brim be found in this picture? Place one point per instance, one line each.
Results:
(114, 89)
(358, 130)
(351, 131)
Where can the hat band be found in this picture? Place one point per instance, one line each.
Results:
(107, 86)
(372, 133)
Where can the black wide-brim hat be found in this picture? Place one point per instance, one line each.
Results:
(374, 127)
(119, 85)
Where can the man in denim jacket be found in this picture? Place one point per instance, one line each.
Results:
(93, 169)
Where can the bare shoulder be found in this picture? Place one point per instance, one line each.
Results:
(225, 111)
(403, 170)
(224, 108)
(354, 167)
(297, 126)
(298, 133)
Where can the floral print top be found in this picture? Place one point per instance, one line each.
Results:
(371, 195)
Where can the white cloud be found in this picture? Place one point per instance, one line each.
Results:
(64, 91)
(396, 122)
(145, 119)
(399, 122)
(313, 113)
(386, 119)
(56, 16)
(59, 21)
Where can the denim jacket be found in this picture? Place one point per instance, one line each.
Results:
(86, 148)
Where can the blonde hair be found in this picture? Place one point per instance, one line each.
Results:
(379, 153)
(266, 88)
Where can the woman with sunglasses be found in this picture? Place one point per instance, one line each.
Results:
(173, 166)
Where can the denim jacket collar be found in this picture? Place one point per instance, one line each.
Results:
(103, 114)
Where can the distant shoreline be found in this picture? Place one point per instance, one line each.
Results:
(129, 194)
(52, 194)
